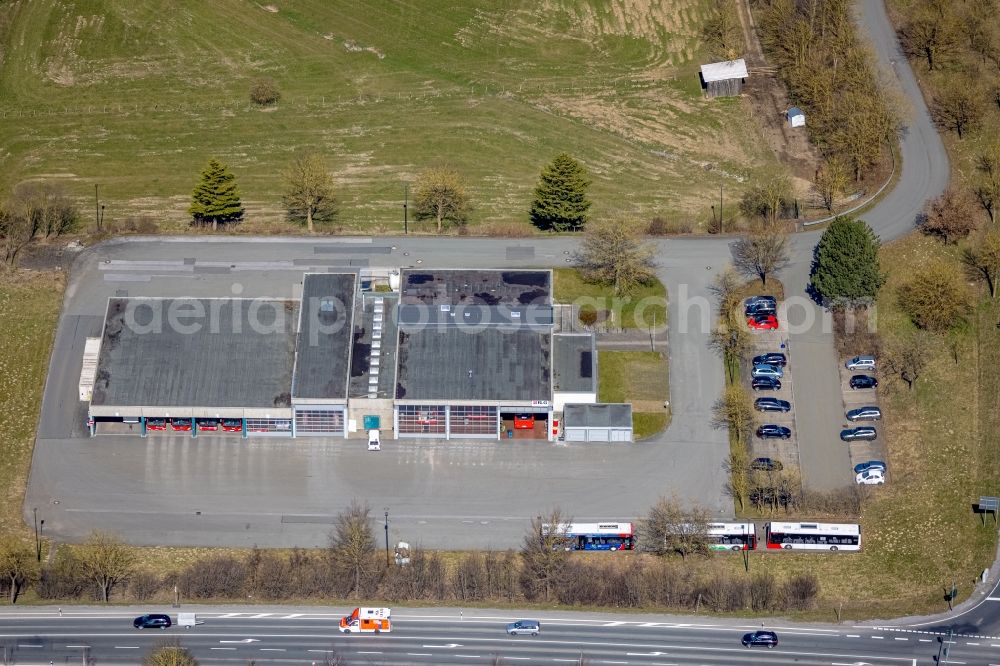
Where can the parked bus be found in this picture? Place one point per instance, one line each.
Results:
(732, 536)
(597, 536)
(813, 536)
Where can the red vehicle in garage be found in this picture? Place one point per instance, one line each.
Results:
(524, 421)
(156, 424)
(208, 425)
(183, 425)
(232, 425)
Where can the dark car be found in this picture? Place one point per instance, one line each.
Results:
(765, 638)
(861, 433)
(766, 465)
(870, 413)
(863, 382)
(772, 431)
(771, 358)
(152, 621)
(772, 405)
(869, 465)
(760, 305)
(765, 384)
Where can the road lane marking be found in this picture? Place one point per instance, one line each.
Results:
(419, 654)
(925, 640)
(879, 637)
(972, 644)
(272, 649)
(613, 624)
(992, 598)
(292, 616)
(29, 646)
(897, 638)
(260, 615)
(126, 647)
(362, 652)
(450, 646)
(518, 658)
(218, 648)
(614, 662)
(853, 635)
(78, 646)
(476, 656)
(572, 661)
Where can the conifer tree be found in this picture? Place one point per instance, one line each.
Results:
(561, 196)
(216, 199)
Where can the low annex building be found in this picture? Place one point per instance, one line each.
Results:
(435, 353)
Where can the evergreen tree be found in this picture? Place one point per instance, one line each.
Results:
(561, 196)
(216, 198)
(846, 266)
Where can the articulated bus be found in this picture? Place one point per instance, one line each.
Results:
(813, 536)
(732, 536)
(597, 536)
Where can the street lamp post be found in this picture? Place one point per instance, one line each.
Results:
(387, 536)
(38, 544)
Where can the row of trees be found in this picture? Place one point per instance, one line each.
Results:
(560, 202)
(830, 74)
(36, 209)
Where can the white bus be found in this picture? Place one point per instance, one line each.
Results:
(732, 536)
(813, 536)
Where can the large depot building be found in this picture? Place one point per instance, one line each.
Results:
(434, 353)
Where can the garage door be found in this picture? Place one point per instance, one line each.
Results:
(319, 422)
(621, 436)
(598, 435)
(576, 434)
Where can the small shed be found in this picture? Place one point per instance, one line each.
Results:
(796, 118)
(610, 422)
(724, 79)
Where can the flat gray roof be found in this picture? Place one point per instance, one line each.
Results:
(369, 344)
(602, 415)
(476, 287)
(325, 336)
(190, 352)
(473, 315)
(574, 363)
(451, 363)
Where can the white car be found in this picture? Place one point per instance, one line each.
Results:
(870, 477)
(374, 441)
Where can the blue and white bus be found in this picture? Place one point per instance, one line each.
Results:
(598, 536)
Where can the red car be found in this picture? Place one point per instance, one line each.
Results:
(207, 424)
(763, 322)
(180, 424)
(232, 425)
(156, 424)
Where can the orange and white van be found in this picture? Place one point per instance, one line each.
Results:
(367, 620)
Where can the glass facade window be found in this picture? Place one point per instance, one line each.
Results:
(474, 420)
(421, 419)
(319, 421)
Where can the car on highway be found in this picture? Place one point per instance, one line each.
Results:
(860, 433)
(180, 424)
(766, 465)
(870, 477)
(767, 639)
(870, 413)
(869, 464)
(771, 358)
(524, 628)
(863, 362)
(232, 425)
(152, 621)
(762, 322)
(767, 371)
(863, 382)
(156, 425)
(765, 384)
(772, 431)
(772, 405)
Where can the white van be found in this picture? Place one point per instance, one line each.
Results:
(374, 442)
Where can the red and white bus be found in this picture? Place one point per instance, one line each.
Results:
(732, 536)
(597, 536)
(813, 536)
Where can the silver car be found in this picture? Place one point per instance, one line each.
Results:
(522, 627)
(870, 413)
(764, 370)
(863, 362)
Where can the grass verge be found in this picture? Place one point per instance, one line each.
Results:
(640, 378)
(644, 309)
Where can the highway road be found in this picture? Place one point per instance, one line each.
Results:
(469, 636)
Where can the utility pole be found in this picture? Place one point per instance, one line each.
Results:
(38, 544)
(722, 227)
(945, 647)
(406, 201)
(387, 562)
(97, 209)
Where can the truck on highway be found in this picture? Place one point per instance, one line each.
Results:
(367, 620)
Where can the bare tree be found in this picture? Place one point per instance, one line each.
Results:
(613, 253)
(765, 199)
(18, 566)
(309, 190)
(958, 106)
(909, 355)
(949, 216)
(107, 561)
(726, 289)
(762, 253)
(982, 258)
(544, 554)
(935, 297)
(737, 465)
(732, 343)
(169, 654)
(353, 543)
(987, 180)
(722, 31)
(733, 411)
(931, 35)
(831, 180)
(441, 194)
(670, 527)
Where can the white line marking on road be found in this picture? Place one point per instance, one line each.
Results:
(29, 646)
(293, 616)
(994, 645)
(614, 662)
(651, 624)
(853, 636)
(78, 646)
(476, 656)
(572, 661)
(925, 640)
(879, 637)
(272, 649)
(992, 598)
(260, 615)
(972, 644)
(323, 651)
(361, 652)
(897, 638)
(518, 658)
(613, 624)
(126, 647)
(231, 615)
(218, 648)
(419, 654)
(450, 646)
(644, 654)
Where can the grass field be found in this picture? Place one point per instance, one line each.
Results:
(646, 308)
(639, 378)
(136, 99)
(29, 308)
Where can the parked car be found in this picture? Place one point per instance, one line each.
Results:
(870, 477)
(152, 621)
(863, 382)
(861, 433)
(767, 371)
(760, 305)
(867, 465)
(771, 358)
(765, 638)
(763, 322)
(772, 431)
(530, 627)
(756, 300)
(765, 384)
(870, 413)
(863, 362)
(766, 465)
(180, 424)
(772, 405)
(232, 425)
(208, 425)
(156, 424)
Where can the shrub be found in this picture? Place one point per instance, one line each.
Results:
(507, 230)
(587, 316)
(218, 576)
(143, 585)
(63, 579)
(659, 226)
(801, 591)
(264, 92)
